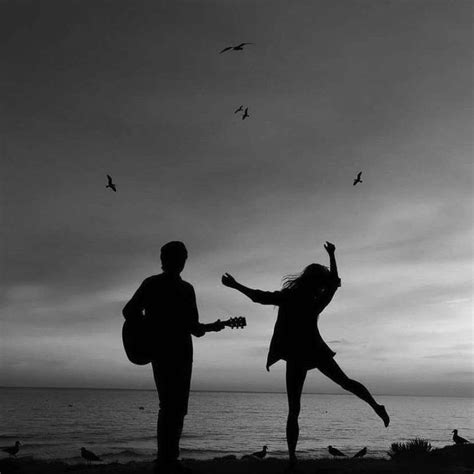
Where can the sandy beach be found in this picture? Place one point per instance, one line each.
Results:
(447, 460)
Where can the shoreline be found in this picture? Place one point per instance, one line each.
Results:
(151, 389)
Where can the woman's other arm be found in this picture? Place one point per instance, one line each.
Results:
(335, 281)
(257, 296)
(331, 250)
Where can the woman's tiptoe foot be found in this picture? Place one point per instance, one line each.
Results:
(383, 414)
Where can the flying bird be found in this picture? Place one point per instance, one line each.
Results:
(239, 47)
(357, 180)
(335, 452)
(12, 450)
(240, 109)
(458, 439)
(89, 455)
(246, 113)
(260, 454)
(110, 184)
(361, 453)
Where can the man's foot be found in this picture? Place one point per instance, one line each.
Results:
(292, 467)
(178, 468)
(383, 414)
(170, 467)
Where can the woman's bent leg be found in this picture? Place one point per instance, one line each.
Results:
(295, 377)
(331, 369)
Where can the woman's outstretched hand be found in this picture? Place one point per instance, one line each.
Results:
(228, 280)
(330, 248)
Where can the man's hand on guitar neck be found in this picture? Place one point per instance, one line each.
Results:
(214, 327)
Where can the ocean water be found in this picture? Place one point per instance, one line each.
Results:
(56, 423)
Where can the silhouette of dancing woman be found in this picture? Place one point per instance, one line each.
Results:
(296, 338)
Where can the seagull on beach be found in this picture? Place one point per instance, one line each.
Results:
(110, 184)
(239, 47)
(361, 453)
(260, 454)
(240, 109)
(357, 180)
(458, 439)
(335, 452)
(246, 113)
(89, 455)
(12, 450)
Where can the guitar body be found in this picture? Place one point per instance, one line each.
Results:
(137, 341)
(137, 338)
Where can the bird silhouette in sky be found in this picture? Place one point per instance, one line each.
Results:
(12, 450)
(357, 180)
(458, 439)
(110, 184)
(239, 47)
(260, 454)
(89, 455)
(335, 452)
(246, 113)
(361, 453)
(240, 109)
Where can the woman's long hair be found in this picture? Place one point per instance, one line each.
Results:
(313, 278)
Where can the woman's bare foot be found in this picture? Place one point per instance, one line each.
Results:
(383, 414)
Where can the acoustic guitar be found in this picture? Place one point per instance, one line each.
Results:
(139, 341)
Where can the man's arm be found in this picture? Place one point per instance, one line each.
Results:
(134, 308)
(196, 328)
(199, 329)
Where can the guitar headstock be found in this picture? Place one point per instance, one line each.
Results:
(238, 322)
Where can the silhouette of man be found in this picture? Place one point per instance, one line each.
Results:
(169, 305)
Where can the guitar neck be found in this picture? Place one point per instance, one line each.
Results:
(230, 323)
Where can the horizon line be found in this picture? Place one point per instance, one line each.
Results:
(220, 391)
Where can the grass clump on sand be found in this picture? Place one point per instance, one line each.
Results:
(413, 448)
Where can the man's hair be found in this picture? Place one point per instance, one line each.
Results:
(172, 251)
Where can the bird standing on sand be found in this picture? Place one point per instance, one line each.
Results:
(357, 180)
(239, 47)
(261, 454)
(458, 439)
(335, 452)
(12, 450)
(110, 184)
(246, 113)
(361, 453)
(89, 455)
(240, 109)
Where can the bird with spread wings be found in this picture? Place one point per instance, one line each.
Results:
(238, 47)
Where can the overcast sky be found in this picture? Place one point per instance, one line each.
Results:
(138, 89)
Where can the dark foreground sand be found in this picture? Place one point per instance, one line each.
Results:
(448, 460)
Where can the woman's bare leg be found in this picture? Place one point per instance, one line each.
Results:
(331, 369)
(295, 377)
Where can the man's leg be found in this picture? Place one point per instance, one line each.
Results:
(179, 405)
(162, 382)
(173, 384)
